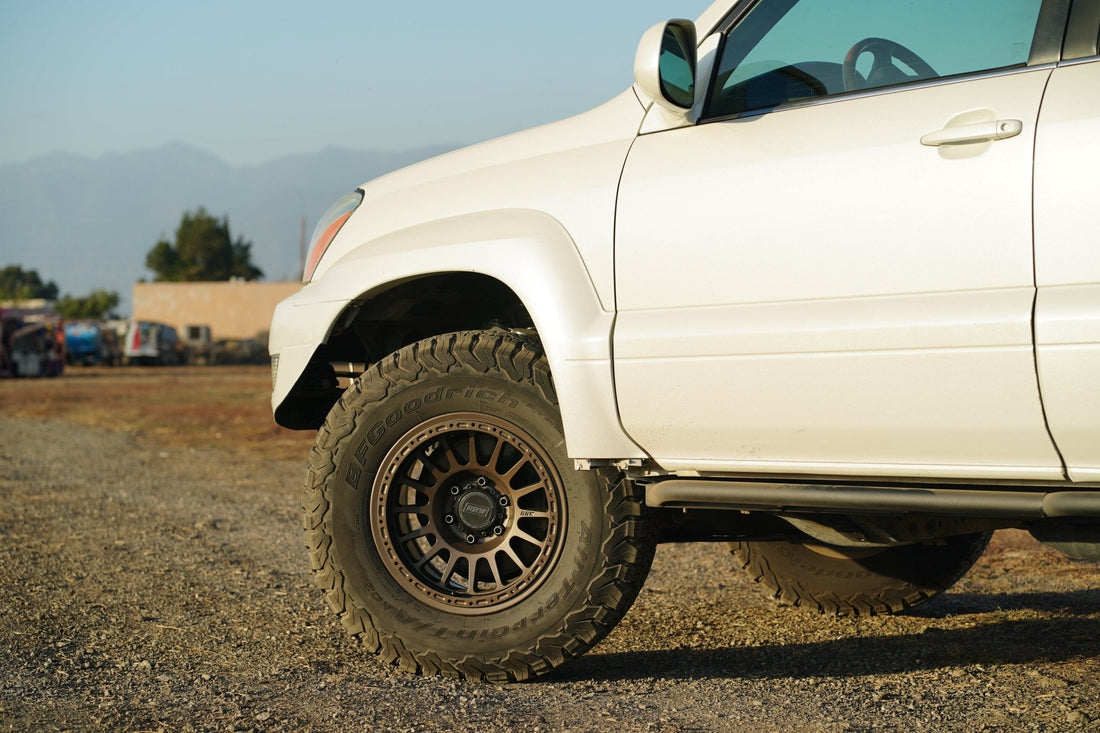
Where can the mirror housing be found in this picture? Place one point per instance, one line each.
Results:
(665, 64)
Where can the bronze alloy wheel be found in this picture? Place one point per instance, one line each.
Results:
(467, 512)
(449, 528)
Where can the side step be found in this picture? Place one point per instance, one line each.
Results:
(977, 503)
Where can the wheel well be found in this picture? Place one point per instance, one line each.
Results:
(383, 321)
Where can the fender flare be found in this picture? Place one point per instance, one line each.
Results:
(531, 253)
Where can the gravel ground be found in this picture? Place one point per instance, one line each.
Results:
(152, 587)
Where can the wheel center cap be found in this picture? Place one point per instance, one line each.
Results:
(476, 510)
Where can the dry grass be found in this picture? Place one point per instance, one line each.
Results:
(227, 407)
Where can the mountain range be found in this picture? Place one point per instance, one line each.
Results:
(88, 223)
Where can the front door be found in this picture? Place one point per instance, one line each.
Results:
(833, 272)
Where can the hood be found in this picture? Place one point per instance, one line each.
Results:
(596, 126)
(568, 170)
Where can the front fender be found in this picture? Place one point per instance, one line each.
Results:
(526, 250)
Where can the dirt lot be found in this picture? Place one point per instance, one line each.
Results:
(152, 577)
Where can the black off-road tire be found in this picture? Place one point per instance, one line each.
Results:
(447, 525)
(863, 583)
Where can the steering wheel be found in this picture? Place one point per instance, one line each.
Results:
(883, 70)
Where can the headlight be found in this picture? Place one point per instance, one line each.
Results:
(327, 229)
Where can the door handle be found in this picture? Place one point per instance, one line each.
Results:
(982, 132)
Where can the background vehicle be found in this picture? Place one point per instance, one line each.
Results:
(201, 348)
(150, 343)
(822, 285)
(31, 344)
(90, 342)
(198, 343)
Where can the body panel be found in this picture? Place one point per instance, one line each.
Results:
(1067, 315)
(568, 169)
(813, 291)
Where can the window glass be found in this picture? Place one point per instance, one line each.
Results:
(790, 50)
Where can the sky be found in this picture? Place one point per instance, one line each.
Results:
(252, 80)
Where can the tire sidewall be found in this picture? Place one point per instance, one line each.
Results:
(382, 423)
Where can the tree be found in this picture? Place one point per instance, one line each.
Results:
(19, 284)
(203, 251)
(95, 306)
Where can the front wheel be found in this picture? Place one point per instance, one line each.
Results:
(448, 525)
(859, 582)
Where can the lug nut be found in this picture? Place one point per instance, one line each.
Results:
(481, 481)
(455, 491)
(449, 519)
(470, 539)
(498, 530)
(503, 501)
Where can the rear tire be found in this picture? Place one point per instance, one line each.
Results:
(858, 582)
(446, 522)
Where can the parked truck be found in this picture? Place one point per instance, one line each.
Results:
(148, 343)
(31, 344)
(822, 285)
(91, 342)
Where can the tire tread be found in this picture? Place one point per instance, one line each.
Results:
(886, 595)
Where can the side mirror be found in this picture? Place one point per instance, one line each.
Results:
(664, 67)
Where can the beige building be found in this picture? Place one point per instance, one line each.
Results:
(232, 309)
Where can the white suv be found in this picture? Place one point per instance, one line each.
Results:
(824, 284)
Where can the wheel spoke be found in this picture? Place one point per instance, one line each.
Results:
(518, 533)
(477, 574)
(416, 534)
(471, 449)
(431, 460)
(448, 569)
(454, 460)
(494, 566)
(520, 493)
(445, 454)
(419, 486)
(430, 555)
(508, 475)
(515, 558)
(494, 459)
